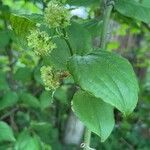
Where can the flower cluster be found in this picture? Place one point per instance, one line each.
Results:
(49, 77)
(40, 42)
(56, 15)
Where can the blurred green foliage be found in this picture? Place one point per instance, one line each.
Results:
(30, 118)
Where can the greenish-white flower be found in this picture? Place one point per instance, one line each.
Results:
(40, 42)
(56, 15)
(49, 78)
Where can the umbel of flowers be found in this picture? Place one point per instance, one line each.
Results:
(49, 77)
(40, 42)
(56, 15)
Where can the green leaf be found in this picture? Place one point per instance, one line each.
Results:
(23, 74)
(61, 94)
(145, 3)
(22, 119)
(47, 147)
(45, 131)
(133, 9)
(37, 74)
(59, 56)
(8, 100)
(45, 99)
(107, 76)
(6, 146)
(83, 2)
(36, 18)
(5, 12)
(94, 27)
(26, 142)
(3, 83)
(6, 133)
(97, 115)
(21, 26)
(79, 39)
(4, 38)
(29, 100)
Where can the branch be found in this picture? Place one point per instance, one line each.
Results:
(106, 16)
(9, 113)
(67, 42)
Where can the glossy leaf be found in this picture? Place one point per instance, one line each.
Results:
(107, 76)
(133, 9)
(96, 115)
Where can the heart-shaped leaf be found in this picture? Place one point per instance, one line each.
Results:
(107, 76)
(96, 115)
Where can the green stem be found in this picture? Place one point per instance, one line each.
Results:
(87, 138)
(67, 42)
(106, 17)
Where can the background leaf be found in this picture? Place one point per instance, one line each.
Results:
(29, 100)
(23, 74)
(82, 2)
(4, 38)
(27, 142)
(80, 44)
(9, 99)
(45, 131)
(94, 27)
(45, 99)
(6, 133)
(133, 9)
(3, 83)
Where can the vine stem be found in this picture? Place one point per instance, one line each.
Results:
(67, 42)
(87, 139)
(106, 16)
